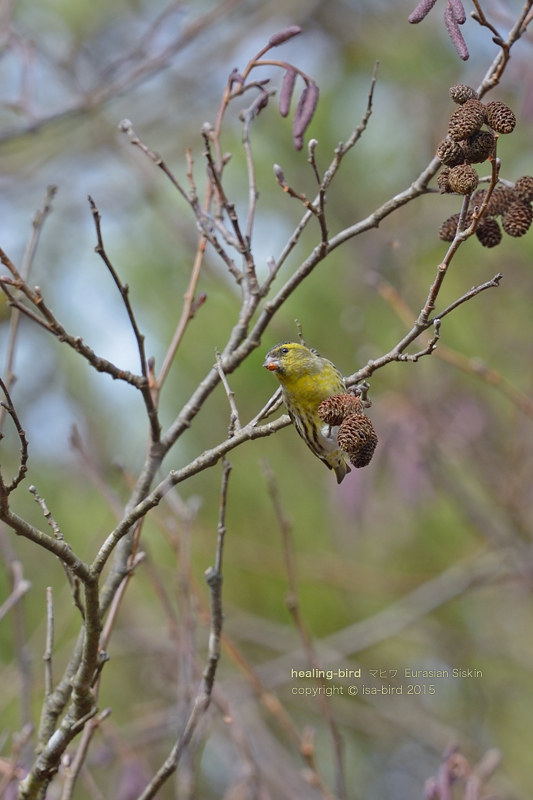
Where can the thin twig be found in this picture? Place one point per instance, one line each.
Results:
(287, 188)
(18, 611)
(95, 471)
(19, 742)
(424, 321)
(247, 117)
(41, 502)
(20, 587)
(137, 71)
(428, 350)
(53, 326)
(202, 216)
(234, 421)
(88, 732)
(266, 698)
(471, 366)
(123, 288)
(213, 577)
(27, 261)
(152, 499)
(293, 606)
(73, 580)
(483, 568)
(190, 307)
(475, 290)
(76, 765)
(496, 69)
(242, 243)
(59, 548)
(23, 464)
(48, 650)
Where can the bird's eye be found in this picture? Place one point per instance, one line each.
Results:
(284, 351)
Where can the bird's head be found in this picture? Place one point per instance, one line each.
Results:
(291, 358)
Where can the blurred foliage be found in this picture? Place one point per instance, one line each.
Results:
(451, 476)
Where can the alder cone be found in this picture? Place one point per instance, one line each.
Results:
(460, 93)
(448, 228)
(335, 409)
(442, 181)
(524, 188)
(450, 153)
(517, 219)
(463, 179)
(478, 197)
(480, 146)
(500, 117)
(500, 200)
(489, 232)
(358, 438)
(467, 119)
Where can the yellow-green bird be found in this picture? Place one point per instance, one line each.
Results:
(306, 380)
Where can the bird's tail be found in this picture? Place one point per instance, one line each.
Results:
(341, 471)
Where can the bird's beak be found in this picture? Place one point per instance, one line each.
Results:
(270, 364)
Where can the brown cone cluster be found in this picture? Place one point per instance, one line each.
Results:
(516, 219)
(461, 93)
(524, 188)
(463, 179)
(335, 409)
(467, 141)
(356, 434)
(512, 204)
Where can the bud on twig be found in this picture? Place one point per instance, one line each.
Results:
(200, 300)
(262, 101)
(207, 130)
(235, 77)
(304, 113)
(280, 175)
(287, 88)
(284, 35)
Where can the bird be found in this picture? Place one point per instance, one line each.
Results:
(306, 380)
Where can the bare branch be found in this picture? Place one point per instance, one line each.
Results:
(47, 657)
(494, 283)
(213, 577)
(189, 310)
(53, 326)
(14, 770)
(73, 580)
(27, 261)
(126, 71)
(5, 490)
(58, 548)
(496, 69)
(20, 587)
(471, 366)
(123, 288)
(234, 422)
(293, 605)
